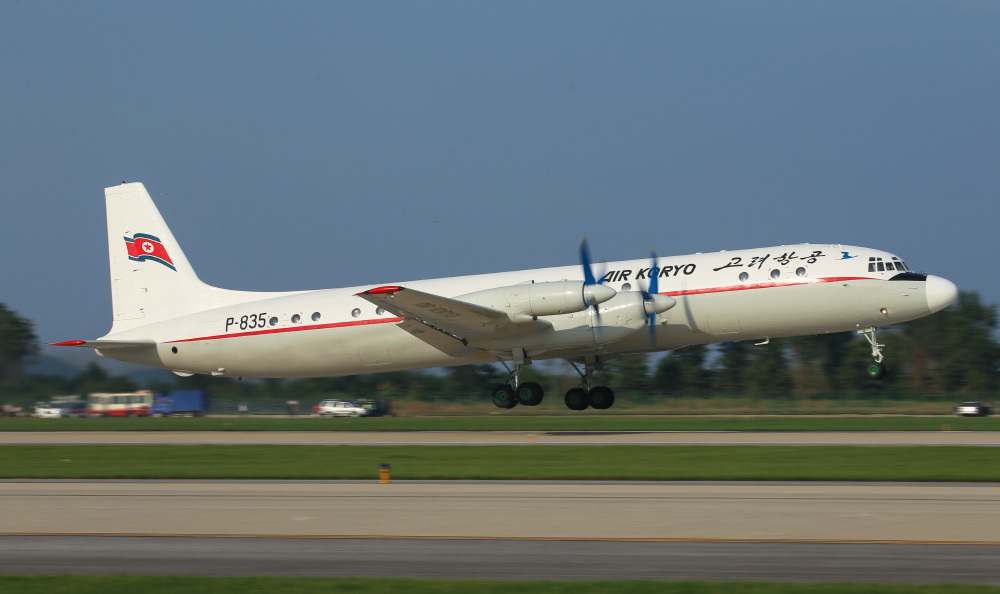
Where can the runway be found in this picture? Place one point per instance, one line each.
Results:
(903, 533)
(507, 530)
(503, 560)
(864, 438)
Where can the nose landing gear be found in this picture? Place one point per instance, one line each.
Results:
(876, 370)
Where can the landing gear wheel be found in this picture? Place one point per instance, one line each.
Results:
(601, 397)
(529, 394)
(576, 399)
(504, 397)
(876, 370)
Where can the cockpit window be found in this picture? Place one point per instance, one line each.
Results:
(878, 265)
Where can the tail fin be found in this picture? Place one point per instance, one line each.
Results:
(151, 279)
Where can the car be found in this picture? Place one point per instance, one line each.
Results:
(60, 409)
(339, 408)
(375, 408)
(75, 408)
(974, 409)
(45, 410)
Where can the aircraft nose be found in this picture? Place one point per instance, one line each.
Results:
(941, 293)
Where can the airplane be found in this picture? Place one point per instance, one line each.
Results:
(165, 317)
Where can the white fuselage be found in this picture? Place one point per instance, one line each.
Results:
(783, 291)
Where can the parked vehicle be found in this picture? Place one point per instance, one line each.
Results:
(74, 408)
(339, 408)
(376, 408)
(128, 404)
(180, 403)
(60, 409)
(45, 410)
(974, 409)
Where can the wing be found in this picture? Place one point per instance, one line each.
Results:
(457, 319)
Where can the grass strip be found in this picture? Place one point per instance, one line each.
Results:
(512, 423)
(266, 585)
(615, 462)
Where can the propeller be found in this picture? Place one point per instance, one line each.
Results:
(593, 291)
(653, 302)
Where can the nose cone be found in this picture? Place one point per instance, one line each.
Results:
(598, 293)
(941, 293)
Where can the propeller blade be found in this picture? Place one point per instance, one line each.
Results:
(588, 272)
(588, 276)
(654, 287)
(654, 269)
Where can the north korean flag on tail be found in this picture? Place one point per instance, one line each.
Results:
(143, 247)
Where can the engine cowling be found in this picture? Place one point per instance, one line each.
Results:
(627, 313)
(541, 299)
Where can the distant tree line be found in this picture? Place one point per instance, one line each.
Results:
(953, 352)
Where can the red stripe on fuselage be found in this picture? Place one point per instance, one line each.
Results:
(294, 329)
(681, 293)
(795, 283)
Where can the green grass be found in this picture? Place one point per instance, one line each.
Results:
(762, 463)
(261, 585)
(501, 422)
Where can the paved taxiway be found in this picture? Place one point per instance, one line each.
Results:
(862, 532)
(860, 438)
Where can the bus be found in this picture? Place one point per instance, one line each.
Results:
(128, 404)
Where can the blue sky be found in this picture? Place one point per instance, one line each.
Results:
(320, 144)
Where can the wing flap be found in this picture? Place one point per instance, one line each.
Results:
(447, 343)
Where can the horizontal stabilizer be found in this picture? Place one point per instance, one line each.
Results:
(108, 344)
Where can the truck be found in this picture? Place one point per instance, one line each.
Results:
(180, 403)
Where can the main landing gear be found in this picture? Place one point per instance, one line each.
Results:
(514, 392)
(507, 396)
(599, 397)
(876, 370)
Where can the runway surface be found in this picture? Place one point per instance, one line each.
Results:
(513, 530)
(869, 438)
(505, 560)
(911, 533)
